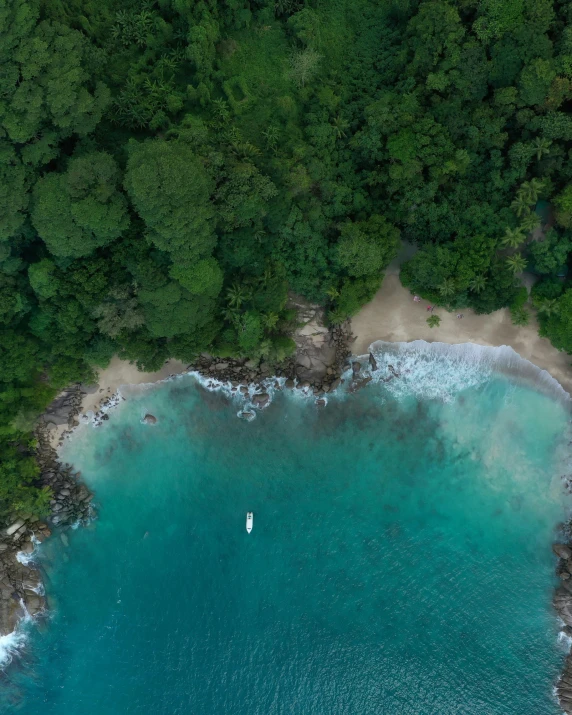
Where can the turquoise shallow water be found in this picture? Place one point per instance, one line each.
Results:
(399, 563)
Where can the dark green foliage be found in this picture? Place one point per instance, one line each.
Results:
(80, 210)
(170, 169)
(557, 325)
(550, 255)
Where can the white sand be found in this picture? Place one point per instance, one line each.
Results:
(109, 380)
(121, 372)
(394, 316)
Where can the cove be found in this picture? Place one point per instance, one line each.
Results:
(399, 563)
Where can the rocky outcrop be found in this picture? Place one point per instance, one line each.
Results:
(563, 605)
(150, 419)
(21, 588)
(65, 408)
(316, 367)
(315, 349)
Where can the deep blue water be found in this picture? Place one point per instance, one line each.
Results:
(399, 563)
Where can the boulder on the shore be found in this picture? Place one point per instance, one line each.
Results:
(562, 551)
(563, 603)
(150, 419)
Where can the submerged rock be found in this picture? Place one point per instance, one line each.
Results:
(150, 419)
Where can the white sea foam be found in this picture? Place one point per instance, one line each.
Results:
(565, 641)
(24, 558)
(11, 645)
(14, 643)
(440, 371)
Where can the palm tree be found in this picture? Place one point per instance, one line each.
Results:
(548, 307)
(519, 316)
(541, 147)
(529, 190)
(231, 315)
(520, 206)
(477, 285)
(530, 223)
(516, 263)
(433, 321)
(270, 320)
(235, 295)
(340, 125)
(271, 135)
(447, 287)
(512, 238)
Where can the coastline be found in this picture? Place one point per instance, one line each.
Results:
(400, 321)
(393, 316)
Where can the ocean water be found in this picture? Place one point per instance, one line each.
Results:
(399, 563)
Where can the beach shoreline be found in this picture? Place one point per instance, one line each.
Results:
(393, 316)
(369, 329)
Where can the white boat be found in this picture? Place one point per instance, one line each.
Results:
(249, 521)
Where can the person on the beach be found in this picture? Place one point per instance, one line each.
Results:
(429, 307)
(416, 298)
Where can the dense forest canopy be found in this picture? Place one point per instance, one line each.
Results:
(171, 168)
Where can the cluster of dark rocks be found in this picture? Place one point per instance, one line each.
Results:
(65, 408)
(21, 587)
(563, 606)
(71, 499)
(241, 373)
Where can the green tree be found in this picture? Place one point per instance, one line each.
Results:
(14, 197)
(478, 283)
(45, 83)
(82, 209)
(557, 326)
(367, 246)
(512, 238)
(516, 263)
(548, 307)
(550, 254)
(541, 147)
(171, 190)
(447, 288)
(433, 321)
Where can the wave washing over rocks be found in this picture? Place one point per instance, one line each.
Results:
(22, 595)
(425, 370)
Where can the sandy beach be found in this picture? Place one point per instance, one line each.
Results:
(110, 379)
(121, 372)
(394, 316)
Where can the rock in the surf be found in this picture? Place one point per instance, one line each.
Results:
(150, 419)
(261, 400)
(562, 551)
